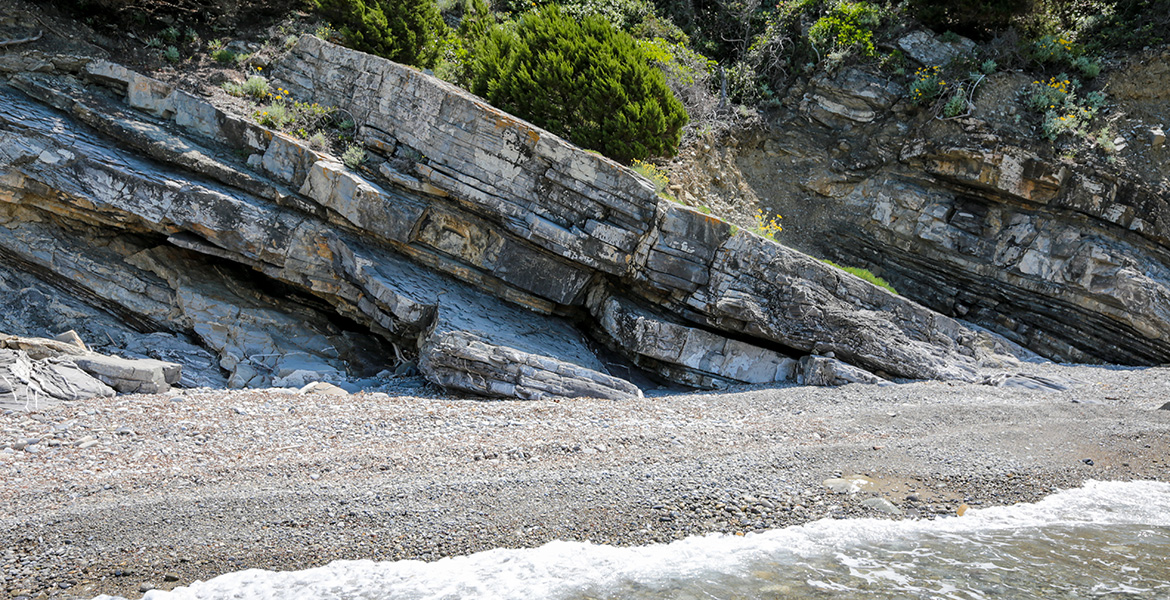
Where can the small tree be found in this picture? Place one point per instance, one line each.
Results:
(407, 31)
(581, 79)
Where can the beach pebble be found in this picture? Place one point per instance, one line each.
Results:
(881, 505)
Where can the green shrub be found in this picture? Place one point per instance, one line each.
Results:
(1063, 111)
(583, 80)
(956, 105)
(318, 141)
(275, 115)
(170, 34)
(256, 87)
(847, 27)
(223, 55)
(406, 31)
(171, 54)
(864, 274)
(354, 156)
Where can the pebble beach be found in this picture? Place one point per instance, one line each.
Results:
(126, 494)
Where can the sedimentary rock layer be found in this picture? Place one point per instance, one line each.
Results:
(473, 240)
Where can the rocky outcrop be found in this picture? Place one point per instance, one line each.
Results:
(972, 218)
(472, 240)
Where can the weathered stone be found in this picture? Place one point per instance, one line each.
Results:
(824, 371)
(325, 389)
(25, 382)
(71, 337)
(718, 360)
(469, 191)
(930, 50)
(130, 376)
(849, 97)
(40, 348)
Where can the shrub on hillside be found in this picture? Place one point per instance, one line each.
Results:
(407, 31)
(581, 79)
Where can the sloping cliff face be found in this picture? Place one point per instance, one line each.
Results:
(498, 253)
(974, 217)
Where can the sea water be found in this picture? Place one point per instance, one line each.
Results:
(1106, 540)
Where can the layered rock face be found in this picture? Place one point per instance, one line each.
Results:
(973, 218)
(501, 256)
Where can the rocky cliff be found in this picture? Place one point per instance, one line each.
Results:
(976, 217)
(498, 258)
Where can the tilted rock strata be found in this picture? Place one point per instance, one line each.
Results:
(970, 219)
(509, 214)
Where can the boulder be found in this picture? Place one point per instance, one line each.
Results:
(930, 50)
(131, 376)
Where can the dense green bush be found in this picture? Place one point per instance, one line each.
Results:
(846, 26)
(407, 31)
(581, 79)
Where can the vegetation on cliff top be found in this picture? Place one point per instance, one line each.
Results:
(582, 79)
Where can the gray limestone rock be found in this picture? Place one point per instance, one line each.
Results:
(25, 382)
(130, 376)
(462, 246)
(931, 51)
(824, 371)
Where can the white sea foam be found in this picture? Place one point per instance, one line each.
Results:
(829, 554)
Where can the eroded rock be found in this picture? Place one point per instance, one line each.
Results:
(468, 243)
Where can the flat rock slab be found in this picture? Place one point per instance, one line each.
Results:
(25, 382)
(131, 376)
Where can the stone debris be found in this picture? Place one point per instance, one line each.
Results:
(320, 387)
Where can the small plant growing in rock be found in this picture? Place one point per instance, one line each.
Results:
(1063, 110)
(190, 35)
(956, 105)
(656, 176)
(318, 141)
(863, 274)
(256, 87)
(354, 156)
(275, 115)
(154, 42)
(767, 228)
(223, 56)
(1089, 68)
(928, 85)
(171, 54)
(170, 34)
(988, 67)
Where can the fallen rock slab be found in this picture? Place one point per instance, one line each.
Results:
(825, 371)
(27, 381)
(131, 376)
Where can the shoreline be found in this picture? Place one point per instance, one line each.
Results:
(189, 485)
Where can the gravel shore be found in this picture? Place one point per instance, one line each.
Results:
(123, 494)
